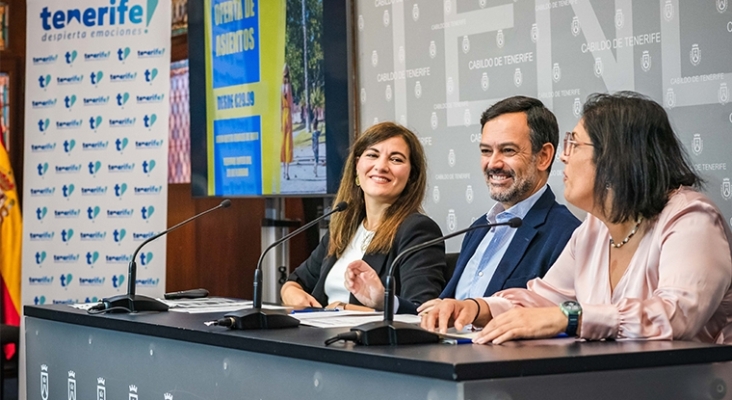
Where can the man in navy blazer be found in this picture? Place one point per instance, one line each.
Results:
(518, 146)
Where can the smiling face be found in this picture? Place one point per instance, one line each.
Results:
(383, 170)
(511, 171)
(579, 171)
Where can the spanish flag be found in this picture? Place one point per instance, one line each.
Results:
(11, 234)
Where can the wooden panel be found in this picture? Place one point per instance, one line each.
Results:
(220, 251)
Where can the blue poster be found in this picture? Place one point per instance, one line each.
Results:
(238, 155)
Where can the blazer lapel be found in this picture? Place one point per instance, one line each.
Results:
(521, 240)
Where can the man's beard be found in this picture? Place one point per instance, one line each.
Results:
(517, 191)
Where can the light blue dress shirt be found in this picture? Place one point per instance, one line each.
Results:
(484, 262)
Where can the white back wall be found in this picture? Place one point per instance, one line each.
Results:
(436, 65)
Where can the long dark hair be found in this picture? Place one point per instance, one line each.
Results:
(636, 153)
(343, 225)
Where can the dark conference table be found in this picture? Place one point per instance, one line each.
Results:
(174, 356)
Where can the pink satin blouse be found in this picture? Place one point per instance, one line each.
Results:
(677, 285)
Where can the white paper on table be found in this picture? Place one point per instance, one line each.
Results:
(348, 319)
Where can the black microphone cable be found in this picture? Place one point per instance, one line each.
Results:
(351, 336)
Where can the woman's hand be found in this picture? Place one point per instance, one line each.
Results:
(451, 312)
(364, 283)
(427, 306)
(293, 295)
(524, 323)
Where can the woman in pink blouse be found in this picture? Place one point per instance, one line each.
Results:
(652, 260)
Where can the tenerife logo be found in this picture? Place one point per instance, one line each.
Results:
(146, 258)
(122, 54)
(42, 168)
(68, 190)
(92, 257)
(70, 56)
(122, 122)
(96, 101)
(92, 212)
(41, 213)
(43, 148)
(118, 280)
(149, 282)
(94, 167)
(138, 237)
(122, 98)
(66, 235)
(47, 191)
(95, 281)
(65, 258)
(99, 145)
(45, 60)
(39, 300)
(69, 101)
(126, 167)
(95, 122)
(120, 189)
(98, 56)
(126, 77)
(40, 256)
(41, 236)
(120, 144)
(41, 280)
(152, 189)
(72, 124)
(69, 145)
(94, 191)
(151, 98)
(148, 144)
(71, 213)
(148, 166)
(44, 81)
(43, 103)
(96, 77)
(66, 280)
(121, 213)
(121, 259)
(151, 74)
(68, 169)
(147, 212)
(70, 80)
(43, 124)
(151, 53)
(149, 120)
(119, 235)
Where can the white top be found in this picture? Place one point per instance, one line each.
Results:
(335, 287)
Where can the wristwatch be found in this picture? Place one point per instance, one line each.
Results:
(572, 310)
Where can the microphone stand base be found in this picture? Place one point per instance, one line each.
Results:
(392, 333)
(134, 303)
(259, 318)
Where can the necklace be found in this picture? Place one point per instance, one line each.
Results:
(367, 240)
(630, 235)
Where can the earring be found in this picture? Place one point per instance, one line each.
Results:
(358, 182)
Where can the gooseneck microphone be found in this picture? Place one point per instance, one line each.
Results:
(257, 317)
(132, 302)
(392, 333)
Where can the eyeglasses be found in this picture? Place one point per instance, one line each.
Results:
(570, 144)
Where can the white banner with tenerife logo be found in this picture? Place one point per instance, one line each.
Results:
(96, 147)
